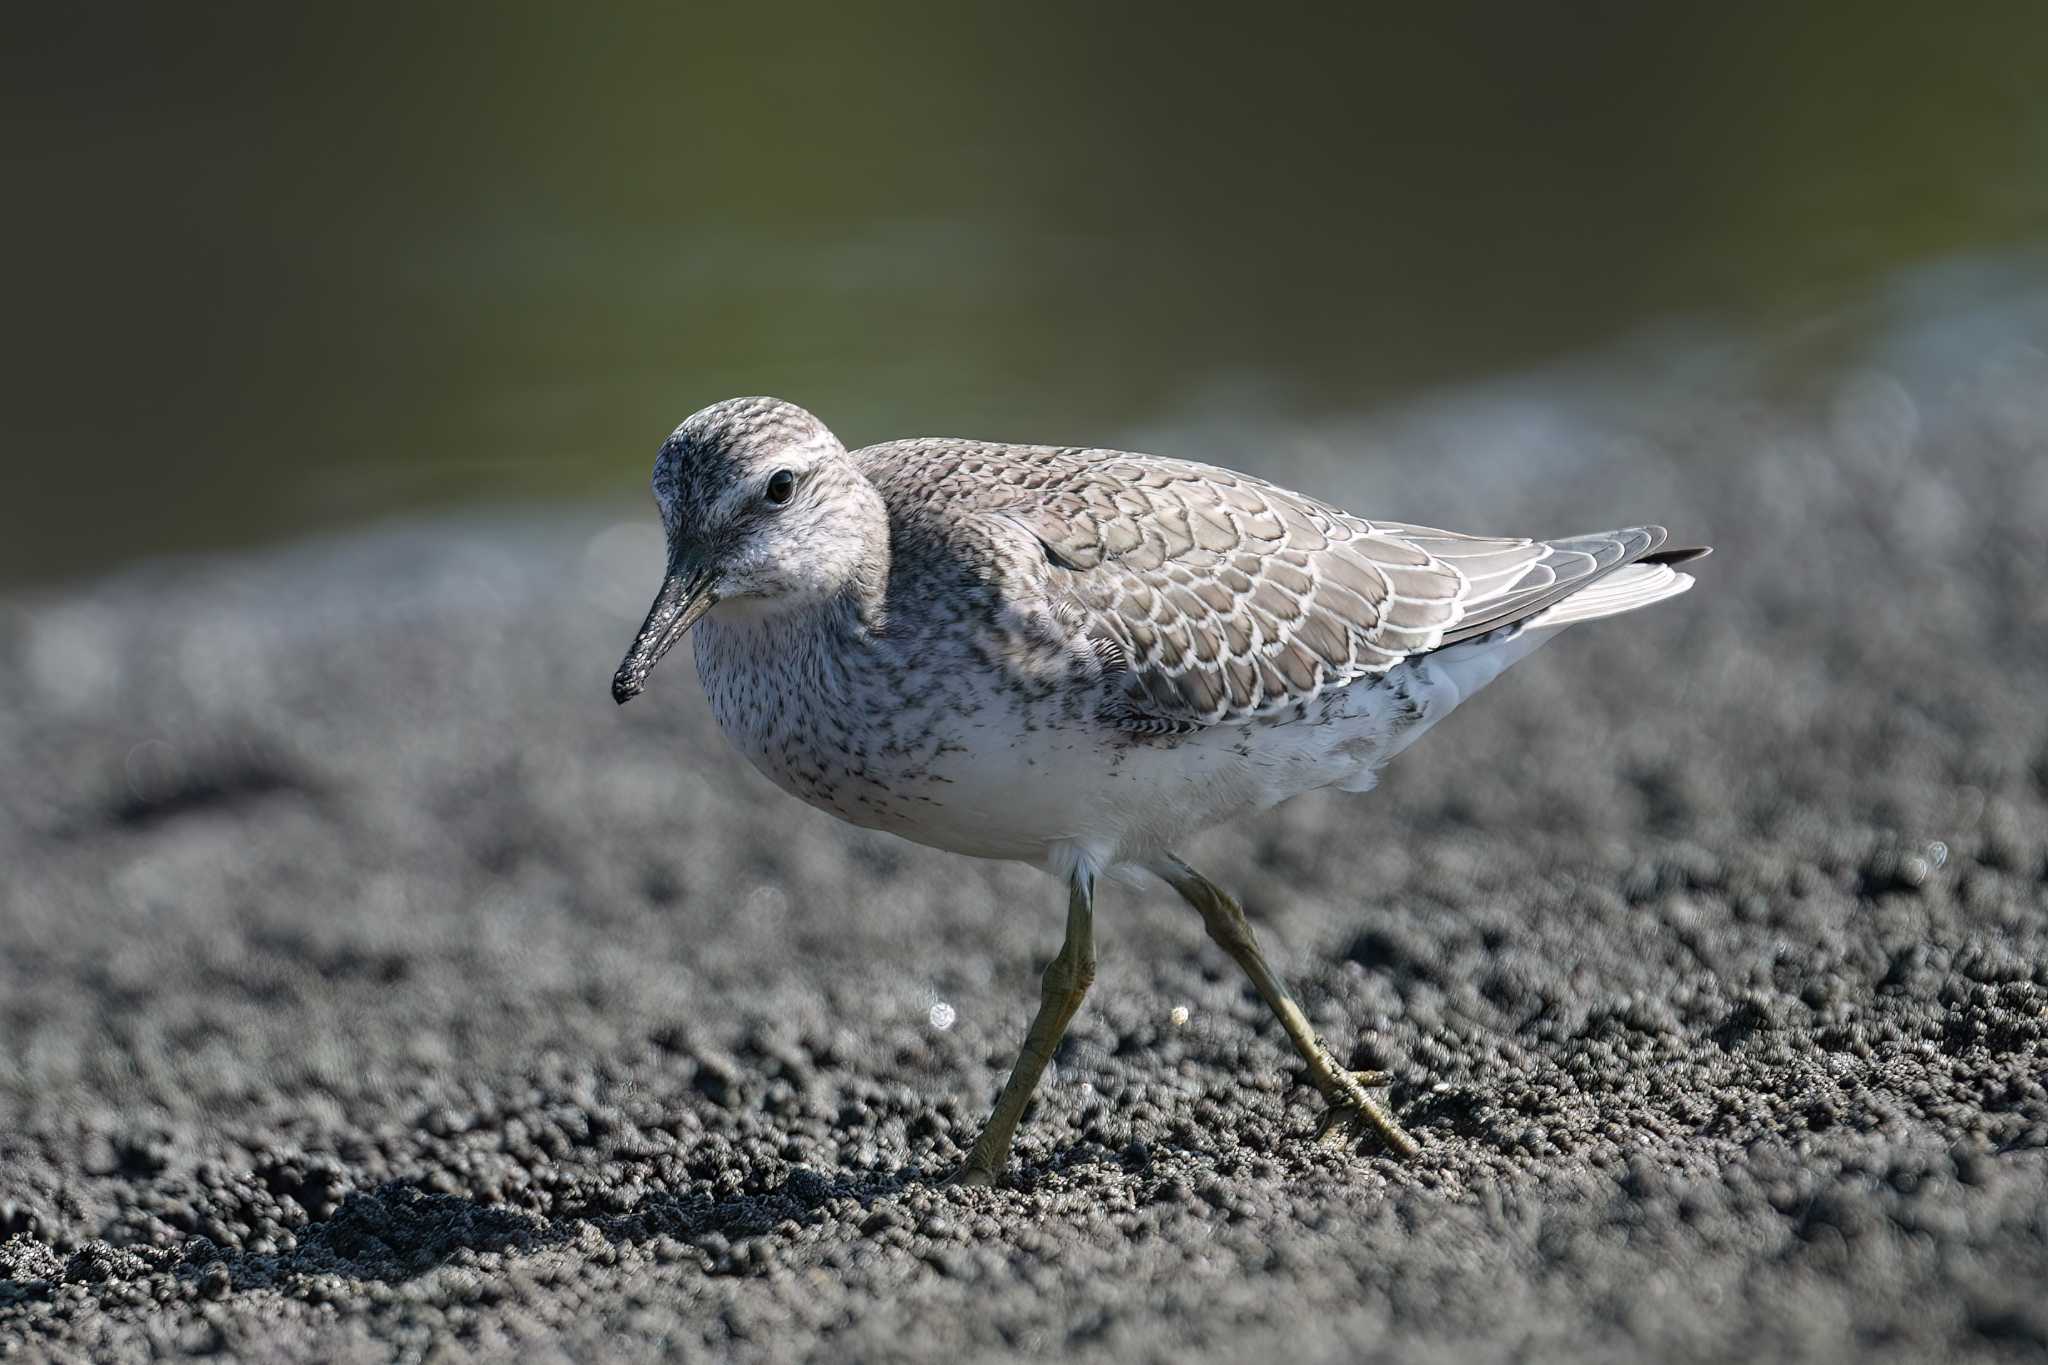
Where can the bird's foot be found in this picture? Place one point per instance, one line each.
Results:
(1353, 1114)
(973, 1175)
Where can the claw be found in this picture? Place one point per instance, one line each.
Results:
(1353, 1114)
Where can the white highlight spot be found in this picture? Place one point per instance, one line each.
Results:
(942, 1016)
(1179, 1016)
(152, 769)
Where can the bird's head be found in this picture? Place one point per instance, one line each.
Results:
(764, 511)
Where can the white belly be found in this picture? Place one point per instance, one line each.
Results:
(1054, 796)
(986, 775)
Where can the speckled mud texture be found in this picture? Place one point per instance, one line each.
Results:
(372, 986)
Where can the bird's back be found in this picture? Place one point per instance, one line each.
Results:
(1217, 597)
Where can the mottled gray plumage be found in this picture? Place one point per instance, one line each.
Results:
(1080, 658)
(1223, 597)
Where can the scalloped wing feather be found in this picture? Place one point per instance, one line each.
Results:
(1228, 598)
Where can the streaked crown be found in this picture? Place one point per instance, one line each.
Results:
(718, 448)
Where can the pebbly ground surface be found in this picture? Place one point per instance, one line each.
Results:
(371, 986)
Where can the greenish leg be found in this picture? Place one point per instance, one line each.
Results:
(1352, 1111)
(1061, 989)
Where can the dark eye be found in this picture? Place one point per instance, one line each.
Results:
(781, 486)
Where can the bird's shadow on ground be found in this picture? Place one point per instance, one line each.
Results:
(389, 1234)
(398, 1231)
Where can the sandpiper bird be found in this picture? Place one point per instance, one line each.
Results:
(1078, 659)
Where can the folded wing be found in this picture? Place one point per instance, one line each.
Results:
(1227, 598)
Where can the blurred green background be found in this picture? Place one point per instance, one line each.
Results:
(274, 268)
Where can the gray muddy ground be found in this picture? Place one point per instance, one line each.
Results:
(371, 985)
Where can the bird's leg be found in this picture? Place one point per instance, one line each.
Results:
(1065, 982)
(1352, 1111)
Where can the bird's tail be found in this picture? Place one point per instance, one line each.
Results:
(1649, 579)
(1446, 676)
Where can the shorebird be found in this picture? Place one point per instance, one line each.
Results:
(1078, 659)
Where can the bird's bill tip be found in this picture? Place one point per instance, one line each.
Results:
(685, 596)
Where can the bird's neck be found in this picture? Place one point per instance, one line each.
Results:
(778, 678)
(761, 625)
(753, 633)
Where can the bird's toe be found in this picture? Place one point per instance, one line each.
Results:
(1353, 1115)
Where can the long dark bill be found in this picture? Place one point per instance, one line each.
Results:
(685, 595)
